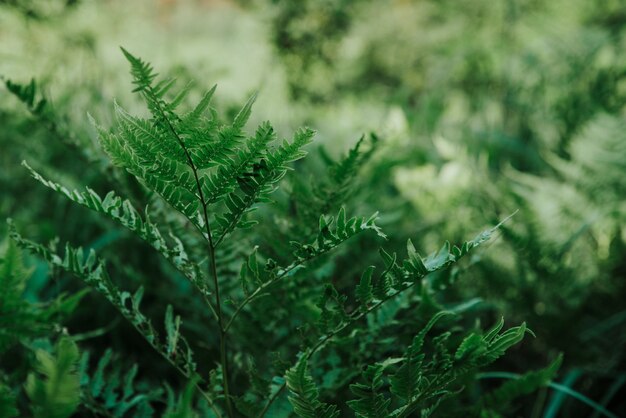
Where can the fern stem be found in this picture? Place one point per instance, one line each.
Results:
(211, 249)
(213, 269)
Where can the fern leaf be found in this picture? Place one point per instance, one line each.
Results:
(149, 142)
(480, 350)
(111, 389)
(370, 403)
(333, 313)
(503, 342)
(405, 383)
(18, 319)
(260, 183)
(183, 407)
(325, 195)
(56, 394)
(93, 272)
(525, 384)
(244, 114)
(192, 119)
(175, 344)
(142, 72)
(304, 396)
(365, 290)
(393, 275)
(125, 214)
(166, 177)
(178, 99)
(331, 235)
(235, 172)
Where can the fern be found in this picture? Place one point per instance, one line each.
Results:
(113, 391)
(20, 320)
(57, 393)
(93, 271)
(304, 394)
(524, 385)
(29, 95)
(214, 175)
(406, 382)
(183, 406)
(370, 403)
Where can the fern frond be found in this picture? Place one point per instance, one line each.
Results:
(365, 290)
(142, 72)
(525, 384)
(112, 391)
(256, 186)
(183, 406)
(215, 145)
(153, 157)
(190, 121)
(148, 141)
(406, 382)
(93, 272)
(57, 393)
(16, 317)
(123, 212)
(29, 94)
(325, 195)
(21, 320)
(333, 311)
(370, 403)
(443, 360)
(331, 234)
(304, 396)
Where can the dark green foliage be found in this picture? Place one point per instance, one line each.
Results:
(112, 390)
(8, 406)
(21, 320)
(370, 403)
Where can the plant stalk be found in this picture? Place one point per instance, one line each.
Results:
(213, 270)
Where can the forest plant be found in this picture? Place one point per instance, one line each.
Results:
(214, 176)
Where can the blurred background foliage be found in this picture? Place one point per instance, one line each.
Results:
(479, 109)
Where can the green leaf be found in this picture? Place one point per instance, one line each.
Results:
(405, 383)
(365, 289)
(55, 390)
(370, 403)
(303, 394)
(524, 385)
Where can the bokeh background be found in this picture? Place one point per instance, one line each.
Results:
(474, 110)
